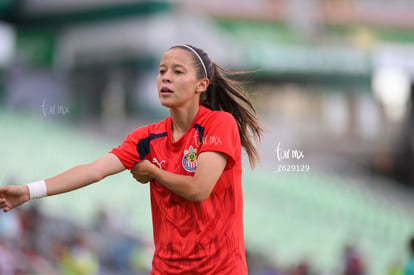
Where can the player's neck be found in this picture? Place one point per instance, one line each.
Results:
(181, 120)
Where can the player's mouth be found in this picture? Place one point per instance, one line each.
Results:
(165, 90)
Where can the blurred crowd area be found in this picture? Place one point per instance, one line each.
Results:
(33, 243)
(332, 79)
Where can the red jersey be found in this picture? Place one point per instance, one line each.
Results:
(190, 237)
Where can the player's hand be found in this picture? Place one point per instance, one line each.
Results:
(142, 171)
(12, 196)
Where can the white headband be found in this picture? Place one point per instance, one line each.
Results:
(196, 54)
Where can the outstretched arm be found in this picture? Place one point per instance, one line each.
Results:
(74, 178)
(85, 174)
(210, 165)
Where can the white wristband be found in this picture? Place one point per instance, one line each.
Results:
(37, 189)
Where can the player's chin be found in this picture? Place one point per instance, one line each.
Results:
(167, 102)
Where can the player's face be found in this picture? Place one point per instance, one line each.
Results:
(177, 80)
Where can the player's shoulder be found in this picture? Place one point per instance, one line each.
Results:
(218, 116)
(152, 128)
(158, 127)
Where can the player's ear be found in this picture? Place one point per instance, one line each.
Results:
(202, 85)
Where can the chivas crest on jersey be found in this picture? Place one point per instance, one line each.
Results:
(190, 159)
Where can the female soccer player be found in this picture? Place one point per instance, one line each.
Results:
(193, 161)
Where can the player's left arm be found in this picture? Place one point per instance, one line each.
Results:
(197, 188)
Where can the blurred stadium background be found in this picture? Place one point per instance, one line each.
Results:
(333, 193)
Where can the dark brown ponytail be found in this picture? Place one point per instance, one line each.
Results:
(226, 94)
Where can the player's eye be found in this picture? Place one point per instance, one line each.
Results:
(178, 72)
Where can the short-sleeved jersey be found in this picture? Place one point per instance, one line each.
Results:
(191, 237)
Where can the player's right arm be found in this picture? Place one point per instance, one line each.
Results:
(72, 179)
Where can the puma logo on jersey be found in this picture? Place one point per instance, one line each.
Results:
(159, 164)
